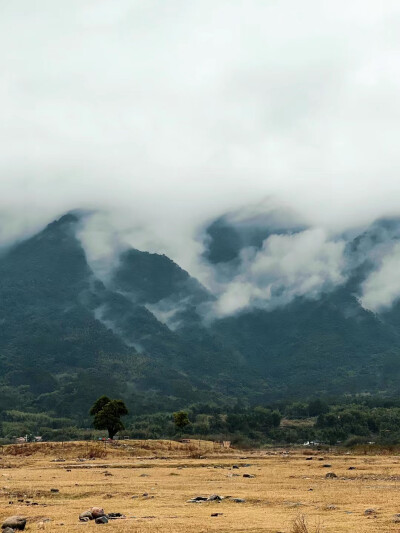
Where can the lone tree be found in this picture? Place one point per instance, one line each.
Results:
(107, 415)
(181, 420)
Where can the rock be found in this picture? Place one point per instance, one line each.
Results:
(235, 467)
(8, 530)
(115, 516)
(396, 518)
(14, 522)
(54, 490)
(101, 520)
(238, 500)
(214, 498)
(85, 516)
(330, 475)
(249, 475)
(217, 514)
(352, 467)
(309, 458)
(97, 512)
(326, 466)
(369, 512)
(198, 499)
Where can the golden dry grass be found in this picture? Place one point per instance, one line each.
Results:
(287, 487)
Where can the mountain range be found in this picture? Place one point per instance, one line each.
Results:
(148, 333)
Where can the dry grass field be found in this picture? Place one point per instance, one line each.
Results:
(150, 482)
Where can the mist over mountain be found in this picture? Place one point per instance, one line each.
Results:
(155, 335)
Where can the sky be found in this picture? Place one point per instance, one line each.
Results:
(163, 115)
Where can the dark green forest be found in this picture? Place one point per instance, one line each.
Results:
(68, 337)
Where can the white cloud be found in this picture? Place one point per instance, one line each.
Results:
(382, 287)
(167, 114)
(287, 266)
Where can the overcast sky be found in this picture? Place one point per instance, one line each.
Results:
(168, 113)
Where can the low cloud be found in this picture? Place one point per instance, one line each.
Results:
(287, 266)
(382, 287)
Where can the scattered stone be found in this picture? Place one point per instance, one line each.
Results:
(115, 516)
(249, 475)
(145, 494)
(309, 458)
(144, 475)
(352, 467)
(97, 512)
(15, 522)
(396, 518)
(197, 499)
(101, 520)
(236, 467)
(326, 465)
(330, 475)
(217, 514)
(330, 507)
(85, 516)
(238, 500)
(54, 490)
(214, 498)
(369, 512)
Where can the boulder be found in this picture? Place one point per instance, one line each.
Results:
(330, 475)
(14, 522)
(85, 516)
(101, 520)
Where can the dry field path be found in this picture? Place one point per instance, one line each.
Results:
(150, 483)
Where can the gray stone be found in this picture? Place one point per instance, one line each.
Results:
(101, 520)
(8, 530)
(330, 475)
(238, 500)
(214, 498)
(14, 522)
(369, 511)
(249, 475)
(85, 516)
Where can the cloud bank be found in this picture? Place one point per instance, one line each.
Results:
(163, 115)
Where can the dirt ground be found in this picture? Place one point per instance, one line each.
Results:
(150, 483)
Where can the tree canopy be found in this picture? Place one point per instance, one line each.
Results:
(107, 415)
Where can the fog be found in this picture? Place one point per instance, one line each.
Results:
(161, 116)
